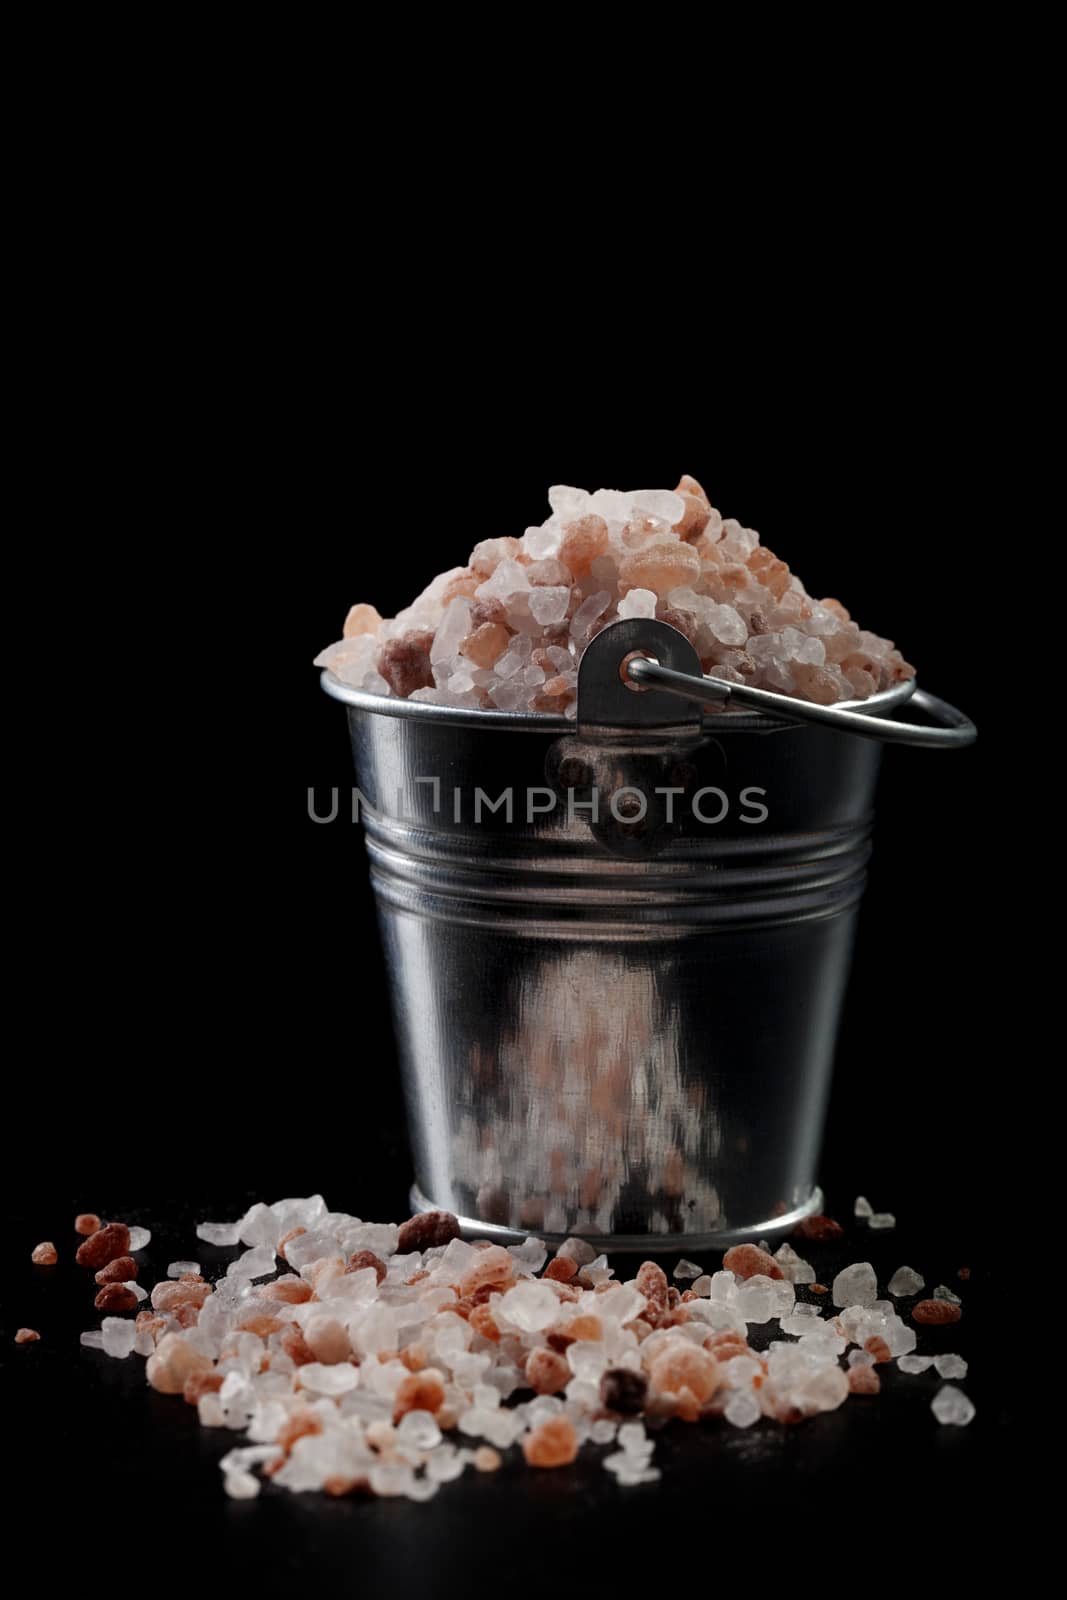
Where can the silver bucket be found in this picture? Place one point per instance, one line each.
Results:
(620, 1025)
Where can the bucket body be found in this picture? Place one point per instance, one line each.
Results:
(618, 1027)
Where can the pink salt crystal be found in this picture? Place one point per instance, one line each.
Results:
(553, 1444)
(361, 619)
(488, 609)
(583, 540)
(697, 508)
(405, 662)
(186, 1292)
(748, 1260)
(661, 567)
(115, 1297)
(486, 644)
(123, 1269)
(87, 1222)
(294, 1233)
(486, 1459)
(44, 1254)
(104, 1245)
(174, 1361)
(27, 1336)
(328, 1341)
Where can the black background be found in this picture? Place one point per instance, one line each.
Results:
(219, 1028)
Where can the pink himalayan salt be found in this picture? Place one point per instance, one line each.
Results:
(561, 583)
(27, 1336)
(44, 1254)
(173, 1363)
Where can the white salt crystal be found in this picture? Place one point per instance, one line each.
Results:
(260, 1225)
(419, 1430)
(664, 504)
(568, 503)
(742, 1409)
(209, 1410)
(118, 1336)
(857, 1285)
(915, 1364)
(863, 1207)
(904, 1281)
(576, 1249)
(951, 1406)
(943, 1292)
(702, 1285)
(240, 1485)
(638, 603)
(950, 1366)
(139, 1238)
(446, 1463)
(860, 1358)
(529, 1306)
(634, 1440)
(548, 604)
(602, 1431)
(136, 1290)
(587, 613)
(178, 1269)
(93, 1340)
(256, 1263)
(723, 1287)
(882, 1219)
(686, 1270)
(218, 1233)
(531, 1255)
(792, 1266)
(755, 1299)
(334, 1380)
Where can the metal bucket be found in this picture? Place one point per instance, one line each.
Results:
(620, 1025)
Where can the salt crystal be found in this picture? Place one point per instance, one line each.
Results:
(118, 1336)
(915, 1364)
(742, 1409)
(861, 1358)
(755, 1299)
(882, 1220)
(943, 1292)
(663, 504)
(140, 1238)
(548, 605)
(529, 1306)
(241, 1485)
(857, 1285)
(136, 1290)
(579, 1250)
(950, 1366)
(686, 1270)
(419, 1429)
(217, 1233)
(951, 1406)
(793, 1267)
(93, 1340)
(588, 612)
(325, 1380)
(181, 1269)
(702, 1285)
(862, 1208)
(638, 603)
(905, 1281)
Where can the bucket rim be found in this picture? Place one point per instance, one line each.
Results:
(876, 705)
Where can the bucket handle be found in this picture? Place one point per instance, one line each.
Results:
(953, 730)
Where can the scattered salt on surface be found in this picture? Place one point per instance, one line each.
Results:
(376, 1348)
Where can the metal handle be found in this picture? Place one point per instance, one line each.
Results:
(953, 729)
